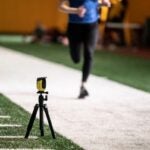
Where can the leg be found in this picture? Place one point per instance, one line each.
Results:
(41, 121)
(90, 39)
(49, 121)
(74, 35)
(31, 120)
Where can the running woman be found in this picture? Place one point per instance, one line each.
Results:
(82, 31)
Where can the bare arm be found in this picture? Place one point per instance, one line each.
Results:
(63, 6)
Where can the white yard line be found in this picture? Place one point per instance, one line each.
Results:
(17, 137)
(10, 125)
(5, 117)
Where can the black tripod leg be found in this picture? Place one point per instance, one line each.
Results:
(41, 121)
(49, 121)
(31, 120)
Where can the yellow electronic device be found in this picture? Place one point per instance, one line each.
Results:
(41, 84)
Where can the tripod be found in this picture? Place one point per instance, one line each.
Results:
(41, 107)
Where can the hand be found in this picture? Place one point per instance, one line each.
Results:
(106, 3)
(81, 11)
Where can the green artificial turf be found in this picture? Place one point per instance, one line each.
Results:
(21, 117)
(129, 70)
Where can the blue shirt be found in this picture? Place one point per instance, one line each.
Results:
(91, 14)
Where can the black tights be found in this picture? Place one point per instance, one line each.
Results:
(83, 35)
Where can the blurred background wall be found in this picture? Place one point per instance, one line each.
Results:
(139, 10)
(20, 16)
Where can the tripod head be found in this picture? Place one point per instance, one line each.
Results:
(41, 96)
